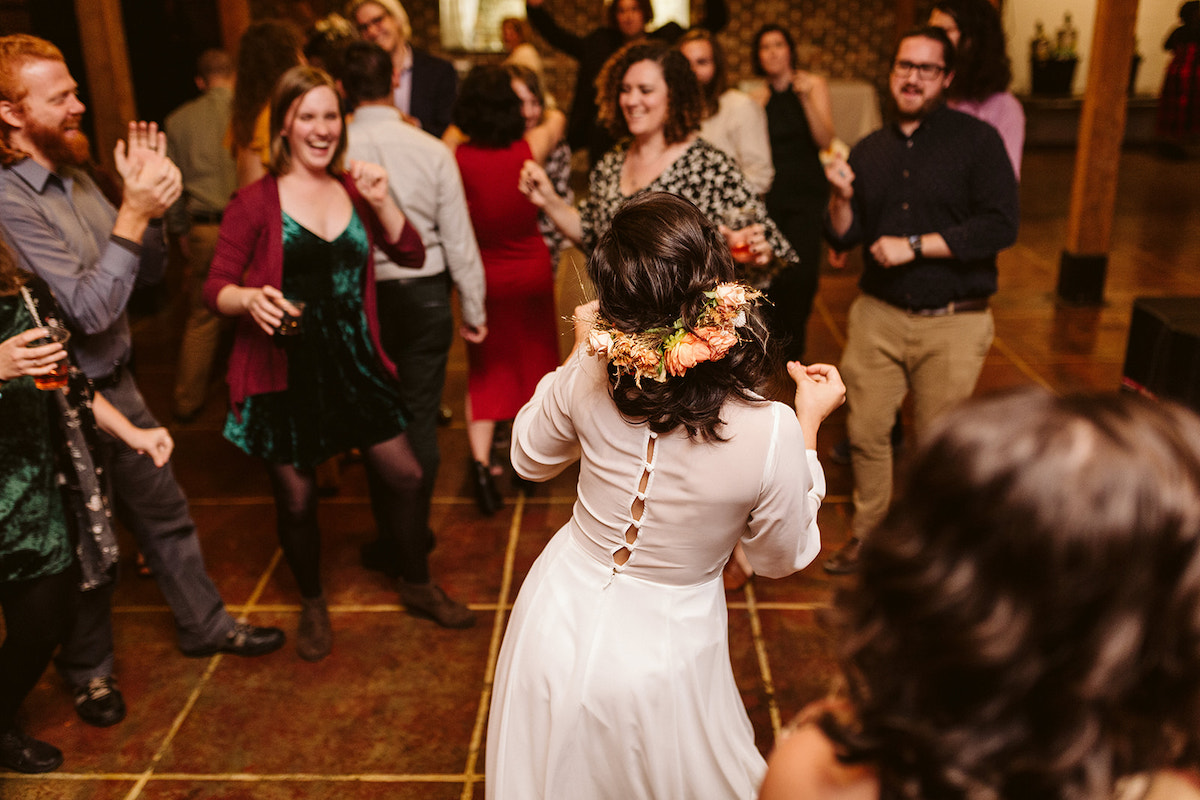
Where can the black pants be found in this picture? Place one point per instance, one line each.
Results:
(36, 615)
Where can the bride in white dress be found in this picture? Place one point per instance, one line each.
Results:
(614, 679)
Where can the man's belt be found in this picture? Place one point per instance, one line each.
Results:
(206, 217)
(953, 307)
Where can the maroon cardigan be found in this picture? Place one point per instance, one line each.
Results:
(250, 253)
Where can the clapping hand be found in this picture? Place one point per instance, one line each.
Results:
(152, 181)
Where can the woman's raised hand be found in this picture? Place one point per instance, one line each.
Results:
(17, 358)
(819, 390)
(535, 184)
(371, 180)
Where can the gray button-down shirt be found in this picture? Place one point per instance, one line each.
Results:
(423, 178)
(59, 226)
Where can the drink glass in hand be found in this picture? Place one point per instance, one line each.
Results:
(738, 219)
(290, 325)
(57, 377)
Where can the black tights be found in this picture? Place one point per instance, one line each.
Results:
(36, 615)
(392, 467)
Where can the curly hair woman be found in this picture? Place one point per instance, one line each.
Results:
(651, 101)
(614, 678)
(1025, 621)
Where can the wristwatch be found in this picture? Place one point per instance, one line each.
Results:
(914, 242)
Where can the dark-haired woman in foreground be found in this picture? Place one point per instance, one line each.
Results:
(614, 679)
(1025, 622)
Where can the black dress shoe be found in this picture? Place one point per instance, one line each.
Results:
(244, 640)
(99, 702)
(26, 754)
(487, 496)
(845, 561)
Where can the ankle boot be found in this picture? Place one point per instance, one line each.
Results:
(487, 496)
(428, 601)
(314, 639)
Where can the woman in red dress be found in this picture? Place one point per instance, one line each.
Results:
(522, 342)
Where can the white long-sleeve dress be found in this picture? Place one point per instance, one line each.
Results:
(614, 681)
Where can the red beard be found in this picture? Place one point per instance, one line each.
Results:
(59, 145)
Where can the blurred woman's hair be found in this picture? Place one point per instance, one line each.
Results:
(716, 87)
(756, 62)
(685, 106)
(267, 50)
(488, 111)
(1026, 621)
(982, 66)
(651, 267)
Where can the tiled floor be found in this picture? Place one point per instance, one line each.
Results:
(399, 709)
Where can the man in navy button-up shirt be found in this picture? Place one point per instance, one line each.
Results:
(933, 199)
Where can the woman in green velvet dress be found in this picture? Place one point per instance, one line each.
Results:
(305, 234)
(55, 526)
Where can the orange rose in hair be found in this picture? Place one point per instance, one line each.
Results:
(687, 353)
(719, 340)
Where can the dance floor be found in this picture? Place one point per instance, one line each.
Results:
(399, 710)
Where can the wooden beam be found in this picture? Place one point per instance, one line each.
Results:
(110, 84)
(235, 18)
(1098, 155)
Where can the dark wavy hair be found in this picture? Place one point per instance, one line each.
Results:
(710, 92)
(487, 109)
(755, 64)
(685, 105)
(983, 64)
(292, 86)
(651, 267)
(267, 50)
(1026, 622)
(645, 6)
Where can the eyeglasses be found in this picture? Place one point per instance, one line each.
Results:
(927, 71)
(367, 25)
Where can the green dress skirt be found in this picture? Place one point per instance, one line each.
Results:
(34, 540)
(339, 396)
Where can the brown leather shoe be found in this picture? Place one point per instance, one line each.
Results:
(428, 601)
(314, 637)
(845, 560)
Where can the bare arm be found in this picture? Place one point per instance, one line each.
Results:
(546, 135)
(536, 185)
(813, 91)
(153, 442)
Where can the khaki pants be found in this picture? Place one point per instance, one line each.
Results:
(890, 352)
(202, 329)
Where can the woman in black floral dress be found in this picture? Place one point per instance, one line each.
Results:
(651, 101)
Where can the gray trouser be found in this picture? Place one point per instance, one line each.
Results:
(150, 503)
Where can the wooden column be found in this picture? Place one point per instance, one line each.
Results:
(1098, 155)
(235, 18)
(102, 36)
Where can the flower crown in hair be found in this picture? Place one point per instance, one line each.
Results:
(661, 352)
